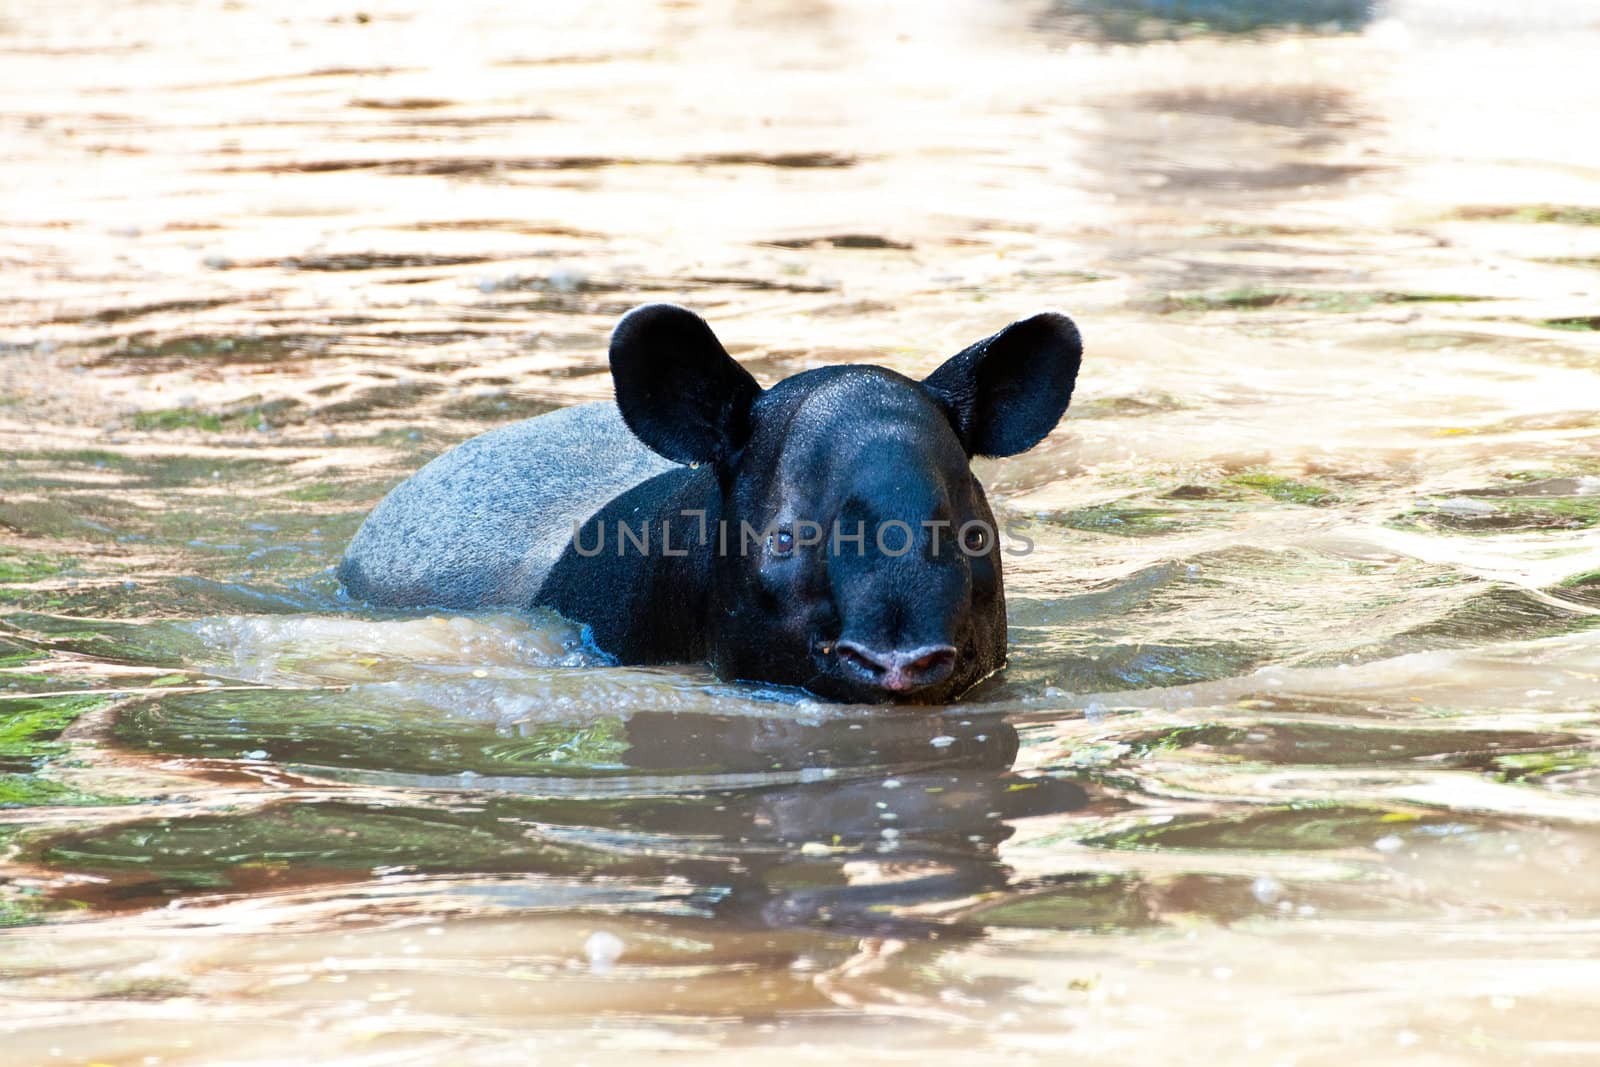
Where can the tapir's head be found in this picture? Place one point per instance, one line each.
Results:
(860, 558)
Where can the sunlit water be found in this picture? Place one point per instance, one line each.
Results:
(1297, 758)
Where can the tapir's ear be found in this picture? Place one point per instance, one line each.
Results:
(678, 390)
(1007, 391)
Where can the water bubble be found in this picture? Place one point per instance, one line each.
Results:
(1389, 843)
(1266, 890)
(566, 280)
(603, 949)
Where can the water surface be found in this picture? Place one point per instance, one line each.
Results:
(1297, 758)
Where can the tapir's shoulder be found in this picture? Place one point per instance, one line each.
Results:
(481, 525)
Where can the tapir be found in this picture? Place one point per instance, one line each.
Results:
(826, 532)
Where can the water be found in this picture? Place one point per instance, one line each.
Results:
(1297, 758)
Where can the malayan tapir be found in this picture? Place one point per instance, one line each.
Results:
(826, 532)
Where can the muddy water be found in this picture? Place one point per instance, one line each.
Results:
(1297, 760)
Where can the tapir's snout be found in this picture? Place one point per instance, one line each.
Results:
(899, 672)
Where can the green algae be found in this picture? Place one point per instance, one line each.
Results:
(1286, 490)
(1336, 301)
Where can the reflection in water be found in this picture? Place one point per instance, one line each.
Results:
(772, 821)
(1145, 20)
(857, 853)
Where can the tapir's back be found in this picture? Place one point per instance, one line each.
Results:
(482, 525)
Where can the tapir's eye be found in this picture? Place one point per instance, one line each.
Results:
(975, 537)
(782, 542)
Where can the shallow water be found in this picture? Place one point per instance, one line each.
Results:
(1297, 758)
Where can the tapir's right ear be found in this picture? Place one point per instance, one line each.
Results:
(678, 389)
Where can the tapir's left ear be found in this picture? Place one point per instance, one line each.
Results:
(1005, 393)
(677, 388)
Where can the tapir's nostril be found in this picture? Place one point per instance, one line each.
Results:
(898, 671)
(932, 661)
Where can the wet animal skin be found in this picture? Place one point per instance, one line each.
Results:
(825, 532)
